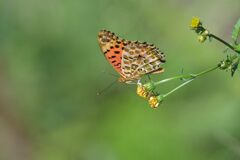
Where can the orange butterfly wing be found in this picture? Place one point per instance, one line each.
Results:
(112, 48)
(131, 59)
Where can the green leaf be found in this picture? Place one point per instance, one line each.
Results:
(236, 31)
(237, 48)
(234, 67)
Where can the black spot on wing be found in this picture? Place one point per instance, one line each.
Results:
(106, 51)
(162, 60)
(118, 64)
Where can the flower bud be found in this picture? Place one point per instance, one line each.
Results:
(205, 33)
(202, 38)
(154, 101)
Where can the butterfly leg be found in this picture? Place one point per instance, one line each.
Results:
(139, 82)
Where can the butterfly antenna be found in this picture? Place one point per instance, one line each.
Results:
(106, 88)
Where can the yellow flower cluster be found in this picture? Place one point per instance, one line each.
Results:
(153, 102)
(144, 92)
(196, 25)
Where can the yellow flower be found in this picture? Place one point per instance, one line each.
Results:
(153, 102)
(142, 91)
(195, 23)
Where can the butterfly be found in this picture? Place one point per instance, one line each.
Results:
(131, 59)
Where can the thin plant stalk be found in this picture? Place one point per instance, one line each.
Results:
(222, 41)
(187, 76)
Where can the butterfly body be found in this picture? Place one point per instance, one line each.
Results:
(131, 59)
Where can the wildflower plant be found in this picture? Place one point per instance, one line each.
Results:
(229, 63)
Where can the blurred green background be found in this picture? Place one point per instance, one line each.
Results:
(51, 69)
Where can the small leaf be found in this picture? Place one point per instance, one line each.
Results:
(236, 31)
(237, 48)
(234, 67)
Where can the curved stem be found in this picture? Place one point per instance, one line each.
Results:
(192, 77)
(187, 76)
(173, 78)
(178, 87)
(222, 41)
(206, 71)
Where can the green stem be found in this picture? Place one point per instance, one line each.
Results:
(206, 71)
(224, 42)
(187, 76)
(178, 87)
(190, 79)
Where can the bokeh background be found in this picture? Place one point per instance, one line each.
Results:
(51, 69)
